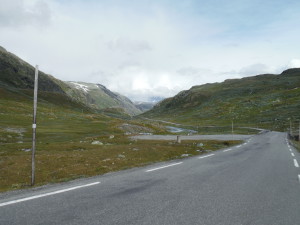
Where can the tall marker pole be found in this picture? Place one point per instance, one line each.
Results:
(299, 132)
(34, 125)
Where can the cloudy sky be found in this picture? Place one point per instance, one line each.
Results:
(148, 48)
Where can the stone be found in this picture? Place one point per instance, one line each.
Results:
(97, 143)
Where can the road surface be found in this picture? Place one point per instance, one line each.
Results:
(223, 137)
(255, 183)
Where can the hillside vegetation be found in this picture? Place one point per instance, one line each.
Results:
(73, 142)
(266, 101)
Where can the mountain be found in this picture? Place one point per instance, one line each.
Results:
(99, 97)
(144, 106)
(18, 74)
(267, 100)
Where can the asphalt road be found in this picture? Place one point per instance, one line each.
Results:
(256, 183)
(193, 137)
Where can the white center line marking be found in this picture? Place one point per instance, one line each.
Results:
(202, 157)
(293, 154)
(296, 163)
(158, 168)
(238, 146)
(227, 150)
(299, 177)
(47, 194)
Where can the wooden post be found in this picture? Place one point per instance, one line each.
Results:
(232, 127)
(178, 139)
(34, 126)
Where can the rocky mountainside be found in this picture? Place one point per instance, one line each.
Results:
(267, 100)
(98, 96)
(15, 73)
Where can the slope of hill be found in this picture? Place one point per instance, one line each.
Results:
(99, 97)
(18, 74)
(266, 100)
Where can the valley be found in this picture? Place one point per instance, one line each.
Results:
(84, 129)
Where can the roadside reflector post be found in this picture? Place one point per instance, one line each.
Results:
(34, 125)
(299, 132)
(178, 139)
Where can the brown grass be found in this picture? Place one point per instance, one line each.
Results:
(65, 161)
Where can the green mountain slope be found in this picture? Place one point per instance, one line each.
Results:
(265, 101)
(16, 74)
(99, 97)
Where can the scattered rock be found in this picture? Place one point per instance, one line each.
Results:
(135, 149)
(200, 145)
(111, 136)
(26, 149)
(104, 160)
(121, 156)
(185, 155)
(203, 150)
(97, 143)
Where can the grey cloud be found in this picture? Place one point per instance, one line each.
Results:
(129, 64)
(15, 13)
(254, 69)
(193, 71)
(129, 46)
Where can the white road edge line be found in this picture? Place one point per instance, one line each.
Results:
(299, 177)
(47, 194)
(296, 163)
(202, 157)
(227, 150)
(158, 168)
(293, 154)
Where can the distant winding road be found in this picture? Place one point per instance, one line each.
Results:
(255, 183)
